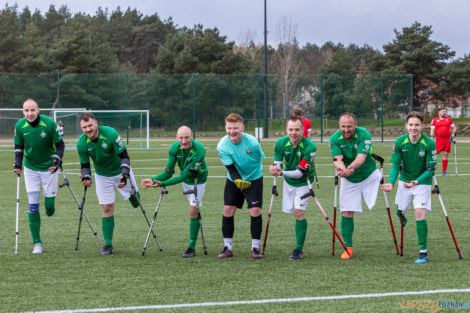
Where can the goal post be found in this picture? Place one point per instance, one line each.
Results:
(132, 125)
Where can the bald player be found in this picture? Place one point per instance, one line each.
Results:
(38, 140)
(189, 154)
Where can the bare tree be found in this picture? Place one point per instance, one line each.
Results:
(246, 43)
(287, 50)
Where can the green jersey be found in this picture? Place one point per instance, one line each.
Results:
(104, 152)
(186, 160)
(305, 150)
(360, 143)
(416, 158)
(39, 142)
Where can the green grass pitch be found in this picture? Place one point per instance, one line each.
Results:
(64, 279)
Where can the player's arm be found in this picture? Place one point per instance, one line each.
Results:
(453, 130)
(125, 168)
(169, 169)
(276, 168)
(196, 161)
(364, 149)
(85, 174)
(19, 154)
(57, 157)
(300, 171)
(432, 133)
(431, 158)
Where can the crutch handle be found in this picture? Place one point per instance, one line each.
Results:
(188, 192)
(64, 183)
(274, 191)
(308, 194)
(379, 159)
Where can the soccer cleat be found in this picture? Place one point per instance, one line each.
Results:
(422, 258)
(256, 254)
(107, 250)
(189, 253)
(37, 248)
(50, 211)
(226, 253)
(296, 255)
(445, 174)
(345, 255)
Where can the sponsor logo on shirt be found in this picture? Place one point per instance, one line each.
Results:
(422, 153)
(367, 142)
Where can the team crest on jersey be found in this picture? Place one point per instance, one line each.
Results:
(104, 145)
(355, 146)
(299, 153)
(43, 134)
(421, 153)
(248, 151)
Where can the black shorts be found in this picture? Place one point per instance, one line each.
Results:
(253, 195)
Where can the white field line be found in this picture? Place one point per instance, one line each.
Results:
(262, 301)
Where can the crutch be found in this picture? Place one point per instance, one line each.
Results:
(402, 232)
(80, 207)
(381, 161)
(134, 192)
(311, 193)
(436, 190)
(195, 172)
(455, 156)
(163, 191)
(273, 193)
(17, 210)
(334, 211)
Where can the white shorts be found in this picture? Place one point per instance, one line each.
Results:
(35, 179)
(291, 198)
(105, 188)
(200, 193)
(351, 194)
(421, 195)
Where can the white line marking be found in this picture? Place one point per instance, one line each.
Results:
(263, 301)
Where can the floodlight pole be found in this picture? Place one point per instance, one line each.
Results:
(265, 77)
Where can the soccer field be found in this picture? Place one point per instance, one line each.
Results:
(376, 280)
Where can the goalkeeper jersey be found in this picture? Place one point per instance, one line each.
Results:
(104, 152)
(305, 150)
(39, 142)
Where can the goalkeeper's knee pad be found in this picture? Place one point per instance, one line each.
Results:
(49, 203)
(133, 200)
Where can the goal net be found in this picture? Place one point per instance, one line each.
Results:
(132, 125)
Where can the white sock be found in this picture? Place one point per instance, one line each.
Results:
(255, 243)
(423, 251)
(228, 243)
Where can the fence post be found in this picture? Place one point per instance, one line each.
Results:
(58, 89)
(321, 108)
(411, 93)
(382, 103)
(194, 105)
(127, 106)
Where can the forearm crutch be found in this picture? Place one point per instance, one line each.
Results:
(273, 193)
(17, 211)
(311, 193)
(381, 161)
(455, 156)
(80, 207)
(163, 191)
(334, 211)
(195, 172)
(436, 190)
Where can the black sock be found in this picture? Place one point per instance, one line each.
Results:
(228, 226)
(256, 227)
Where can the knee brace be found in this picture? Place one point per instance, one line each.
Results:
(33, 208)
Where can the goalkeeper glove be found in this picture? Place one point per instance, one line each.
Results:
(242, 184)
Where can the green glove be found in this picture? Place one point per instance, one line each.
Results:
(404, 217)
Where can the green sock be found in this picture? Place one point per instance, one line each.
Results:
(347, 229)
(300, 233)
(422, 232)
(193, 232)
(107, 226)
(35, 226)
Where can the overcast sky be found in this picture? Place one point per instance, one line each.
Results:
(347, 21)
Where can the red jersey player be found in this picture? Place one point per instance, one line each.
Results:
(306, 123)
(441, 128)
